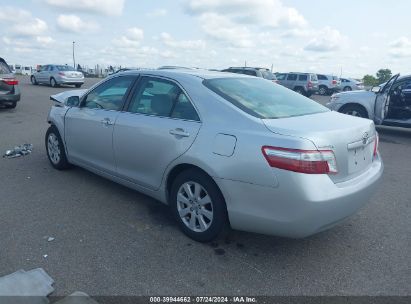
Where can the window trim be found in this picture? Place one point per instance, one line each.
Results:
(175, 82)
(125, 97)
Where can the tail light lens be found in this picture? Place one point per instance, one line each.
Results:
(10, 81)
(334, 81)
(376, 143)
(310, 84)
(302, 161)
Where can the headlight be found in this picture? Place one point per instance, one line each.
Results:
(334, 98)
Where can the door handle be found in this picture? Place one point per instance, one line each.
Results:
(107, 122)
(179, 132)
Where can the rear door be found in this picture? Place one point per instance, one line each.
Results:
(5, 75)
(89, 128)
(382, 101)
(290, 81)
(160, 124)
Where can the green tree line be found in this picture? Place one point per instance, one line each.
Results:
(383, 75)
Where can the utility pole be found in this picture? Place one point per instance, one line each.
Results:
(74, 60)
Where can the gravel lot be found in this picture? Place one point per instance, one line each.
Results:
(110, 240)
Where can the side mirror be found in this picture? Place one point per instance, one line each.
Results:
(73, 101)
(376, 89)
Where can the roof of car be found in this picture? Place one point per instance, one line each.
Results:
(203, 74)
(250, 68)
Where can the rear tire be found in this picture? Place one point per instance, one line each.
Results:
(299, 90)
(347, 88)
(78, 85)
(354, 110)
(323, 90)
(55, 149)
(198, 205)
(33, 80)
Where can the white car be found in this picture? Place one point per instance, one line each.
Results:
(387, 104)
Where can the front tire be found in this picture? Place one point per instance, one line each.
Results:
(33, 80)
(55, 149)
(347, 89)
(53, 83)
(355, 110)
(198, 205)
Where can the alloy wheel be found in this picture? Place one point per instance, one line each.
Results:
(53, 148)
(195, 206)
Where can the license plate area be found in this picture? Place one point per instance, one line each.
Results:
(359, 156)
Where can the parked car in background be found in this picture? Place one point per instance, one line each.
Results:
(303, 83)
(257, 72)
(387, 104)
(258, 162)
(26, 70)
(348, 84)
(55, 75)
(9, 89)
(328, 84)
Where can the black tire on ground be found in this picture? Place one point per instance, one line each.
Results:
(323, 90)
(33, 80)
(218, 207)
(354, 110)
(62, 163)
(78, 85)
(347, 88)
(299, 90)
(53, 83)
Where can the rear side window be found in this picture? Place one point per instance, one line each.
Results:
(281, 76)
(4, 68)
(292, 77)
(268, 75)
(302, 77)
(321, 77)
(262, 99)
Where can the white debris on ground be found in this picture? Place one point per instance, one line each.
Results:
(19, 151)
(33, 287)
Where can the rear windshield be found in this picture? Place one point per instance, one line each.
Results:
(268, 75)
(64, 68)
(314, 77)
(4, 68)
(263, 99)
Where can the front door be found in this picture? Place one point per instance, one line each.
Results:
(382, 101)
(89, 128)
(159, 125)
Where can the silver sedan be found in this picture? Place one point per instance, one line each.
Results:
(55, 75)
(220, 149)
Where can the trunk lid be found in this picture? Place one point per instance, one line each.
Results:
(350, 138)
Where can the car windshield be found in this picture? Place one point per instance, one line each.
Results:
(263, 99)
(64, 68)
(268, 75)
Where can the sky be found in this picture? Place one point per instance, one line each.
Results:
(344, 38)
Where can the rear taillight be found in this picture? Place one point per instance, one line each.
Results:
(334, 81)
(376, 142)
(303, 161)
(62, 74)
(10, 81)
(310, 84)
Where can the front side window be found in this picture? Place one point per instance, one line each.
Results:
(321, 77)
(261, 99)
(109, 95)
(160, 97)
(281, 76)
(250, 72)
(268, 75)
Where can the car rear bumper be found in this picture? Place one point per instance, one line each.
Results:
(301, 205)
(9, 98)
